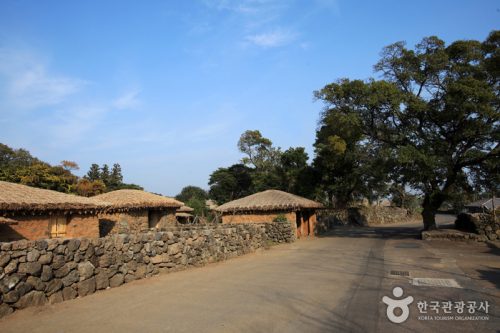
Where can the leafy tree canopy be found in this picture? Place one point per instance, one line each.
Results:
(189, 192)
(434, 114)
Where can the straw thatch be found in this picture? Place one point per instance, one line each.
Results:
(137, 199)
(183, 215)
(185, 209)
(17, 197)
(270, 200)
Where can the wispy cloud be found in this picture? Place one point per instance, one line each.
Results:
(252, 14)
(128, 100)
(70, 126)
(243, 6)
(271, 39)
(29, 82)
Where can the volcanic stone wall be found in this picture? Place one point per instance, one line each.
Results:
(53, 270)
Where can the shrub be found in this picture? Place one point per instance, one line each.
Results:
(280, 218)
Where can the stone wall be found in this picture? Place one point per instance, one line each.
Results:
(280, 232)
(131, 221)
(452, 235)
(53, 270)
(363, 216)
(378, 215)
(482, 224)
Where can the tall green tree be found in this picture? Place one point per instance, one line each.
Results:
(436, 112)
(351, 167)
(231, 183)
(296, 176)
(189, 192)
(94, 173)
(116, 177)
(105, 175)
(194, 197)
(262, 157)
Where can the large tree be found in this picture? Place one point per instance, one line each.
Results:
(350, 167)
(194, 197)
(18, 166)
(231, 183)
(190, 191)
(436, 110)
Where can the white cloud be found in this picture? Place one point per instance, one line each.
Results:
(243, 7)
(271, 39)
(70, 126)
(128, 100)
(29, 83)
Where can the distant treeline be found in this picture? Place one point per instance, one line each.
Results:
(19, 166)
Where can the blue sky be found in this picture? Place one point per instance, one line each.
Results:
(165, 88)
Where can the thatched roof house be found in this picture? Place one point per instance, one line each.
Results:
(270, 200)
(136, 210)
(27, 199)
(34, 213)
(185, 209)
(266, 206)
(183, 214)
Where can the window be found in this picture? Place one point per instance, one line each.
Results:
(58, 226)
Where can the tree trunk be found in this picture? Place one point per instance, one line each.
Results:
(429, 217)
(431, 204)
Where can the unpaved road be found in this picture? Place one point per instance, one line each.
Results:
(332, 283)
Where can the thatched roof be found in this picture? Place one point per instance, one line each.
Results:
(137, 199)
(270, 200)
(17, 197)
(183, 215)
(185, 209)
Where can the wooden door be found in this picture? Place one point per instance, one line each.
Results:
(298, 221)
(57, 226)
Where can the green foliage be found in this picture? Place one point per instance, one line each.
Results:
(198, 204)
(435, 116)
(112, 180)
(94, 173)
(280, 218)
(401, 198)
(105, 175)
(195, 198)
(116, 177)
(259, 150)
(264, 167)
(350, 167)
(231, 183)
(189, 192)
(18, 166)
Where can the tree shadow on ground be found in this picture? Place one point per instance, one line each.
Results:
(374, 232)
(492, 275)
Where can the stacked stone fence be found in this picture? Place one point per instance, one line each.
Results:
(363, 216)
(54, 270)
(478, 227)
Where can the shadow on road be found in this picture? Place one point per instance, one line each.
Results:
(400, 232)
(492, 275)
